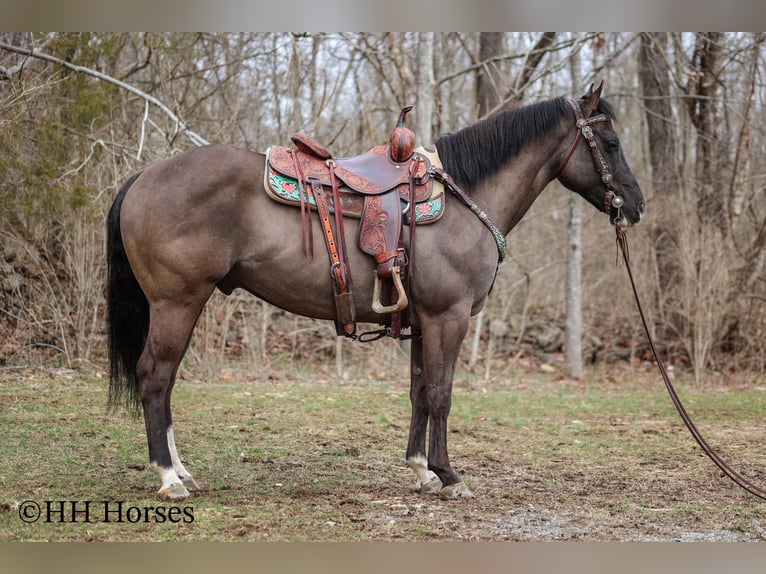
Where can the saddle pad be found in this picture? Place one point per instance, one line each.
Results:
(284, 189)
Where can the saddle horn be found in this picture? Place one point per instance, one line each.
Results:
(402, 139)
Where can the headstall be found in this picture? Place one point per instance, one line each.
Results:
(611, 199)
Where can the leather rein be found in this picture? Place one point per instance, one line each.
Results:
(614, 201)
(622, 242)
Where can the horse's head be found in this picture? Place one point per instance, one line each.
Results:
(597, 169)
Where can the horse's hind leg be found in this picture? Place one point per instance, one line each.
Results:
(169, 334)
(185, 476)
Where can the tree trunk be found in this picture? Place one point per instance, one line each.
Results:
(704, 103)
(573, 335)
(488, 80)
(425, 89)
(705, 307)
(654, 79)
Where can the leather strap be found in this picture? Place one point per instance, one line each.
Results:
(402, 319)
(447, 180)
(622, 242)
(344, 303)
(339, 230)
(307, 231)
(329, 236)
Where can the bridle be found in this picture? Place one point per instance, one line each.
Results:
(583, 124)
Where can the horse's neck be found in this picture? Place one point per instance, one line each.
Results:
(508, 194)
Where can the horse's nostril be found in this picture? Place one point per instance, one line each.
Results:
(641, 209)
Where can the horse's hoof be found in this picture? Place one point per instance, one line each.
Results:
(191, 484)
(174, 492)
(433, 486)
(457, 490)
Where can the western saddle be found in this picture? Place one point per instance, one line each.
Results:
(386, 187)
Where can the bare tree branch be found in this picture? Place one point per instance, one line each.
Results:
(7, 73)
(533, 53)
(532, 60)
(181, 127)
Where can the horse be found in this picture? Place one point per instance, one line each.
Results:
(200, 220)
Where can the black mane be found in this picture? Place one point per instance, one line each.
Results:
(478, 151)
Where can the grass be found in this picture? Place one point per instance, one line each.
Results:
(297, 460)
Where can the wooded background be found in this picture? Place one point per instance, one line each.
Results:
(80, 112)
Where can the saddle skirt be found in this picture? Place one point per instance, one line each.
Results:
(358, 181)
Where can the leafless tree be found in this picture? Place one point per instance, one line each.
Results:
(80, 111)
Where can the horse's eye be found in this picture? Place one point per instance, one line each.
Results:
(612, 145)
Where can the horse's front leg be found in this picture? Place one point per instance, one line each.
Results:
(428, 482)
(442, 336)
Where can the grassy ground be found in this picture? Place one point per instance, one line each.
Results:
(291, 459)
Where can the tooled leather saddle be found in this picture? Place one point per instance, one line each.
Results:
(386, 187)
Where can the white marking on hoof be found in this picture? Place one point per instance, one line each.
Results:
(182, 473)
(172, 487)
(457, 490)
(428, 482)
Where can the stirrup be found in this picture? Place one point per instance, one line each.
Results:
(401, 301)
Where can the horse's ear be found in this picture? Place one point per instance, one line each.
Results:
(589, 102)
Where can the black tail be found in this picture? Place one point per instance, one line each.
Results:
(127, 314)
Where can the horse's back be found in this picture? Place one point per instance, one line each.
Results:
(197, 174)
